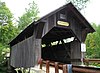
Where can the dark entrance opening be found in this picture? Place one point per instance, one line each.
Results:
(56, 45)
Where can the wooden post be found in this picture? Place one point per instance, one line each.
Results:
(41, 62)
(56, 67)
(64, 68)
(47, 66)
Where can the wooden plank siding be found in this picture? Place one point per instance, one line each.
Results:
(75, 52)
(76, 28)
(23, 54)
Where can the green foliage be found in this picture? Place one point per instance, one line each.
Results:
(93, 43)
(79, 4)
(90, 44)
(5, 13)
(30, 15)
(7, 33)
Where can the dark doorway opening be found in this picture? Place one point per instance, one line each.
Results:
(56, 45)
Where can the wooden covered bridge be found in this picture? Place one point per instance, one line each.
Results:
(55, 37)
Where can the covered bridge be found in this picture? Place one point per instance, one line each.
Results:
(56, 37)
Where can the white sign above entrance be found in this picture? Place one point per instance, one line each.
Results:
(62, 23)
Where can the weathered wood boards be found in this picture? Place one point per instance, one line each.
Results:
(26, 53)
(23, 54)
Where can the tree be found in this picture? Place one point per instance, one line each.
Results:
(90, 44)
(79, 4)
(93, 43)
(7, 32)
(97, 42)
(30, 15)
(6, 26)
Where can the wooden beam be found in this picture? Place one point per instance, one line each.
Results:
(56, 67)
(41, 62)
(92, 60)
(64, 68)
(47, 66)
(85, 70)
